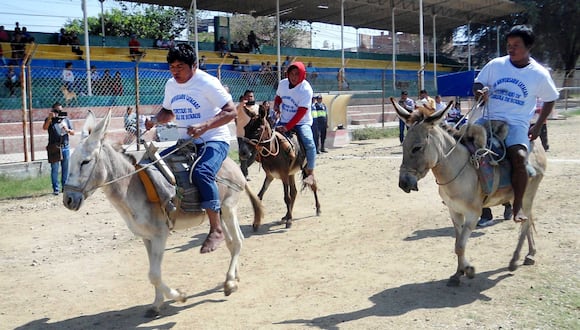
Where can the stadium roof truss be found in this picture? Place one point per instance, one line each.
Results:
(373, 14)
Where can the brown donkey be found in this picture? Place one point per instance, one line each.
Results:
(281, 158)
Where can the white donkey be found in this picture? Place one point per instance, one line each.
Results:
(97, 164)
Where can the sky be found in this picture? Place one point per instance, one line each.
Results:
(53, 14)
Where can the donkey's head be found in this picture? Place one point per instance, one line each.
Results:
(257, 130)
(420, 149)
(86, 172)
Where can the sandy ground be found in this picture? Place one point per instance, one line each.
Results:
(376, 258)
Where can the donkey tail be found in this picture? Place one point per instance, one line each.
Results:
(257, 206)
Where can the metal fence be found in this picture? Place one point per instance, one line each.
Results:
(35, 87)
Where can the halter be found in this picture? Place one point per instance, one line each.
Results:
(258, 143)
(81, 190)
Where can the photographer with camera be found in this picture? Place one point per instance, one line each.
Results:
(59, 128)
(246, 109)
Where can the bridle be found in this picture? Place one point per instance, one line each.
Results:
(68, 187)
(263, 140)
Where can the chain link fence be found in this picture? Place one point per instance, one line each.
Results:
(134, 90)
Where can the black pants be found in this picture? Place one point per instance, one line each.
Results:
(321, 124)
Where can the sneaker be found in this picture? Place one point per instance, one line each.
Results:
(484, 223)
(508, 212)
(55, 192)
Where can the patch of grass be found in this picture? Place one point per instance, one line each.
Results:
(570, 113)
(370, 133)
(17, 188)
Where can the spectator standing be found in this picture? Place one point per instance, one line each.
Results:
(321, 122)
(26, 35)
(95, 80)
(426, 104)
(409, 105)
(253, 43)
(117, 84)
(135, 48)
(106, 85)
(11, 81)
(314, 126)
(246, 110)
(59, 128)
(222, 46)
(18, 46)
(4, 37)
(68, 77)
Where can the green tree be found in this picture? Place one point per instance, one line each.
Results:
(145, 22)
(556, 27)
(265, 29)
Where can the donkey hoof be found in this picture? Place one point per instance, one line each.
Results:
(470, 272)
(288, 224)
(152, 313)
(230, 287)
(255, 228)
(182, 297)
(513, 266)
(454, 281)
(529, 261)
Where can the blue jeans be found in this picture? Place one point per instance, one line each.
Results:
(212, 156)
(402, 127)
(305, 134)
(64, 169)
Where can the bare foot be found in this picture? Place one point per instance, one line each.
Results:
(212, 242)
(520, 217)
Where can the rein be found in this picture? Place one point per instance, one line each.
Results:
(81, 190)
(274, 148)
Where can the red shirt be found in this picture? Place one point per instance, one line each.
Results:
(134, 44)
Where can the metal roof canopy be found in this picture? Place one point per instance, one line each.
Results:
(373, 14)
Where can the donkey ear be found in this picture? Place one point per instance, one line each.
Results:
(88, 125)
(401, 112)
(263, 111)
(98, 133)
(438, 116)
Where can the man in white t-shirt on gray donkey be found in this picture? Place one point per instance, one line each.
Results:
(201, 107)
(510, 85)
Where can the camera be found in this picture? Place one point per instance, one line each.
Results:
(59, 116)
(250, 103)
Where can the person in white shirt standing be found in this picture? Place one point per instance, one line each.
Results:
(68, 77)
(510, 85)
(201, 107)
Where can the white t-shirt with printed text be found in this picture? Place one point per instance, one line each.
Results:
(513, 91)
(294, 98)
(196, 101)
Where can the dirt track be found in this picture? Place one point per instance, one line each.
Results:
(377, 258)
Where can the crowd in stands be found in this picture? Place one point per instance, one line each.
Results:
(20, 37)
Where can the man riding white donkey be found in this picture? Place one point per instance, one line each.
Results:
(510, 85)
